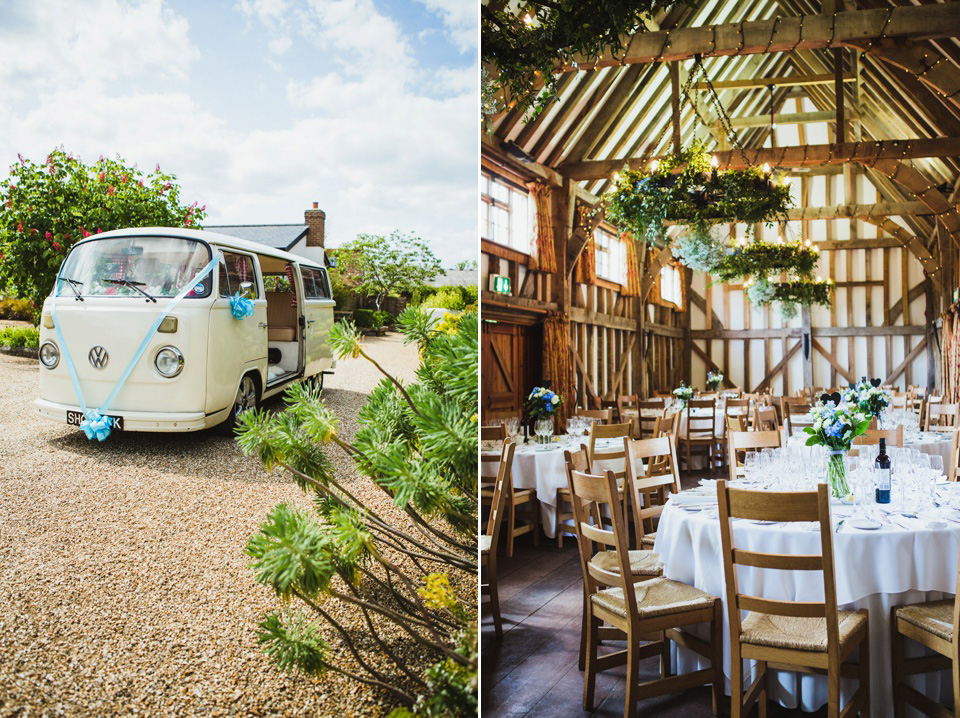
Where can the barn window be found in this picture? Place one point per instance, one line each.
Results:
(611, 256)
(671, 289)
(506, 214)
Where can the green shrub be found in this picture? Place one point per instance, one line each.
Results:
(18, 309)
(276, 283)
(20, 337)
(386, 318)
(366, 319)
(446, 298)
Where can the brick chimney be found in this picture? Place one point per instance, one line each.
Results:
(315, 219)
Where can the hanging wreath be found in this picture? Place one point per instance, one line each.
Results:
(760, 259)
(683, 188)
(803, 292)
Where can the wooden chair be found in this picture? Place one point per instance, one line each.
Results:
(497, 432)
(765, 419)
(490, 537)
(649, 492)
(893, 437)
(700, 430)
(597, 431)
(628, 411)
(933, 625)
(615, 453)
(604, 415)
(642, 563)
(647, 424)
(898, 401)
(667, 425)
(942, 417)
(954, 467)
(735, 423)
(792, 411)
(743, 441)
(637, 610)
(608, 404)
(811, 637)
(514, 498)
(738, 409)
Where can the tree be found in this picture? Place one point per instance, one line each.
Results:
(380, 266)
(411, 574)
(523, 44)
(46, 208)
(466, 265)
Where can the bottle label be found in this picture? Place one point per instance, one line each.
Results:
(883, 479)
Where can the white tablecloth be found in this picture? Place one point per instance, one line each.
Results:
(874, 569)
(545, 471)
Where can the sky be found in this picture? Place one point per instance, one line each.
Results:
(261, 107)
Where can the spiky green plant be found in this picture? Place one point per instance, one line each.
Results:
(417, 442)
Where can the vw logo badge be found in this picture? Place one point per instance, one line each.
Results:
(98, 357)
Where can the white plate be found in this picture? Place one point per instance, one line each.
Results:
(865, 524)
(693, 508)
(764, 523)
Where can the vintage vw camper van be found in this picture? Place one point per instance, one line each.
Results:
(204, 362)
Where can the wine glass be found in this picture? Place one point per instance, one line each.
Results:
(750, 465)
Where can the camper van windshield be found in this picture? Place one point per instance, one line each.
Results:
(134, 266)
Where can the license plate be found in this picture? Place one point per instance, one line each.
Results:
(75, 417)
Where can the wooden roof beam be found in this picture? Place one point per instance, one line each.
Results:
(867, 153)
(784, 34)
(789, 118)
(785, 80)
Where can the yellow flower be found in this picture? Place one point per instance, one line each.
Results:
(437, 594)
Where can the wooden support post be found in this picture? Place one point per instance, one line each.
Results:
(807, 346)
(675, 103)
(687, 342)
(929, 316)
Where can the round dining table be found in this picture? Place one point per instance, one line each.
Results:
(542, 468)
(903, 561)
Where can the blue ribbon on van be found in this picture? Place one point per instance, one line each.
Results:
(96, 425)
(241, 307)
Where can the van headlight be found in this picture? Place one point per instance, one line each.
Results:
(49, 355)
(169, 361)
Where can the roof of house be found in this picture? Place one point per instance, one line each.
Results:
(457, 278)
(278, 236)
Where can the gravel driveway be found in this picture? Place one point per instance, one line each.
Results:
(124, 588)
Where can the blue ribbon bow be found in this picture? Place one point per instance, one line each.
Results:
(241, 307)
(96, 426)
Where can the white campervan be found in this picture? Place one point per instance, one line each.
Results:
(178, 330)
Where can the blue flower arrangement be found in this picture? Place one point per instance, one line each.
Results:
(543, 403)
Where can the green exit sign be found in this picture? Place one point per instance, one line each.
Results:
(500, 284)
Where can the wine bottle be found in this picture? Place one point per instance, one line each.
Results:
(882, 474)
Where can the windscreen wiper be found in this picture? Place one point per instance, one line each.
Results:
(73, 284)
(132, 285)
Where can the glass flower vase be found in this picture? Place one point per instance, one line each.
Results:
(837, 473)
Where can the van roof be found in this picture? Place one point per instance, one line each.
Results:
(221, 240)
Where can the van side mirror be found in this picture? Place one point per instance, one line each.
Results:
(246, 290)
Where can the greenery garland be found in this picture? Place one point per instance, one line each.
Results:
(804, 292)
(684, 189)
(759, 259)
(524, 46)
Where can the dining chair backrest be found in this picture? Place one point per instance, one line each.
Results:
(608, 404)
(604, 415)
(669, 424)
(496, 432)
(765, 419)
(792, 411)
(614, 452)
(954, 467)
(789, 507)
(942, 417)
(740, 442)
(898, 401)
(893, 437)
(594, 496)
(705, 395)
(627, 401)
(737, 422)
(650, 412)
(501, 491)
(701, 424)
(649, 491)
(737, 407)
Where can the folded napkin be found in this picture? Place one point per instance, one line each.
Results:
(689, 498)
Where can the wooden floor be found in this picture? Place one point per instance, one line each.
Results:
(532, 670)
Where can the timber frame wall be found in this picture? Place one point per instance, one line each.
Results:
(893, 247)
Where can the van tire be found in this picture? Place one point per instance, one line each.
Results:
(248, 397)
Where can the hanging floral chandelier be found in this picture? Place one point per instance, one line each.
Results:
(686, 188)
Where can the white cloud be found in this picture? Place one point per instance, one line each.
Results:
(378, 140)
(461, 21)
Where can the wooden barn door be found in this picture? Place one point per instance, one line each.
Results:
(509, 366)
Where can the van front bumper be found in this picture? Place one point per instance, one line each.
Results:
(138, 420)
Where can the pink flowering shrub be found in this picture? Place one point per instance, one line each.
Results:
(46, 208)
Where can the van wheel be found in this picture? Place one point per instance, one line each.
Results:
(248, 397)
